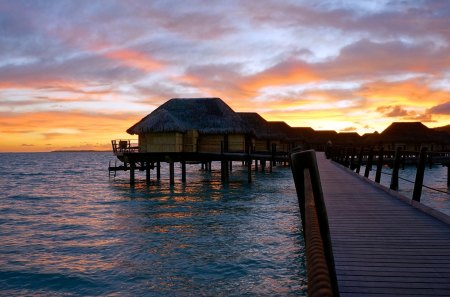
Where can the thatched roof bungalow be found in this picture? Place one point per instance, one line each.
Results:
(283, 133)
(191, 125)
(261, 134)
(410, 136)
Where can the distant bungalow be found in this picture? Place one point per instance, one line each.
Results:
(411, 136)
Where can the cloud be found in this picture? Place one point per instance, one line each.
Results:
(405, 114)
(443, 108)
(393, 111)
(349, 129)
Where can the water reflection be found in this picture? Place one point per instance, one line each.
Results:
(91, 235)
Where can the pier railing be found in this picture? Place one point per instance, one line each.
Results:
(319, 254)
(354, 158)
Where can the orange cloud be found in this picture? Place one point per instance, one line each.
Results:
(291, 72)
(134, 59)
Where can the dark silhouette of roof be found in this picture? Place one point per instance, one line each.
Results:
(408, 132)
(259, 126)
(206, 115)
(280, 129)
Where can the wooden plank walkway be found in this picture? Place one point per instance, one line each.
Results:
(382, 246)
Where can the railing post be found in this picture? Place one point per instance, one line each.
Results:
(369, 163)
(395, 169)
(419, 175)
(379, 165)
(358, 167)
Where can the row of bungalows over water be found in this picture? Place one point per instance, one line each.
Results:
(204, 130)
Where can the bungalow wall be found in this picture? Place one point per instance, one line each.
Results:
(236, 143)
(211, 143)
(262, 145)
(190, 139)
(161, 142)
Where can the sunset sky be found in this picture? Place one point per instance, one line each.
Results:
(76, 74)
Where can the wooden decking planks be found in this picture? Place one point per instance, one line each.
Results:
(382, 246)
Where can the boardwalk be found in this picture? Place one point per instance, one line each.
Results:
(382, 246)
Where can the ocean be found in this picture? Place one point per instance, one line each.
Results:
(69, 229)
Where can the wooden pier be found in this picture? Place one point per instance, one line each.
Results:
(382, 244)
(133, 161)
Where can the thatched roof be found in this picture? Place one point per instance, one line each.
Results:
(322, 136)
(408, 132)
(280, 130)
(257, 123)
(206, 115)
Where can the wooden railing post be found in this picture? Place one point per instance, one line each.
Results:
(369, 163)
(360, 156)
(395, 169)
(379, 165)
(419, 175)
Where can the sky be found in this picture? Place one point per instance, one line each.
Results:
(76, 74)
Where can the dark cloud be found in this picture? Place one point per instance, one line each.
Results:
(393, 111)
(443, 108)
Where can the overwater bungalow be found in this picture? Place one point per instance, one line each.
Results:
(411, 136)
(203, 125)
(262, 138)
(284, 141)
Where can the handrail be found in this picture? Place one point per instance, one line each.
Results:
(319, 254)
(125, 146)
(398, 158)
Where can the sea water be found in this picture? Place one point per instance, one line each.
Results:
(69, 229)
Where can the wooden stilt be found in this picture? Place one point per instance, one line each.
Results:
(183, 171)
(147, 172)
(448, 175)
(172, 172)
(158, 170)
(132, 168)
(249, 170)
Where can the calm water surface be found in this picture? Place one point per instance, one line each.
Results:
(67, 229)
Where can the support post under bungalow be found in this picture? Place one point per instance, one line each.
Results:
(448, 174)
(172, 172)
(158, 170)
(132, 168)
(147, 172)
(249, 170)
(183, 171)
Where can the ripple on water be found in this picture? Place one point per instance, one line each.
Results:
(67, 229)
